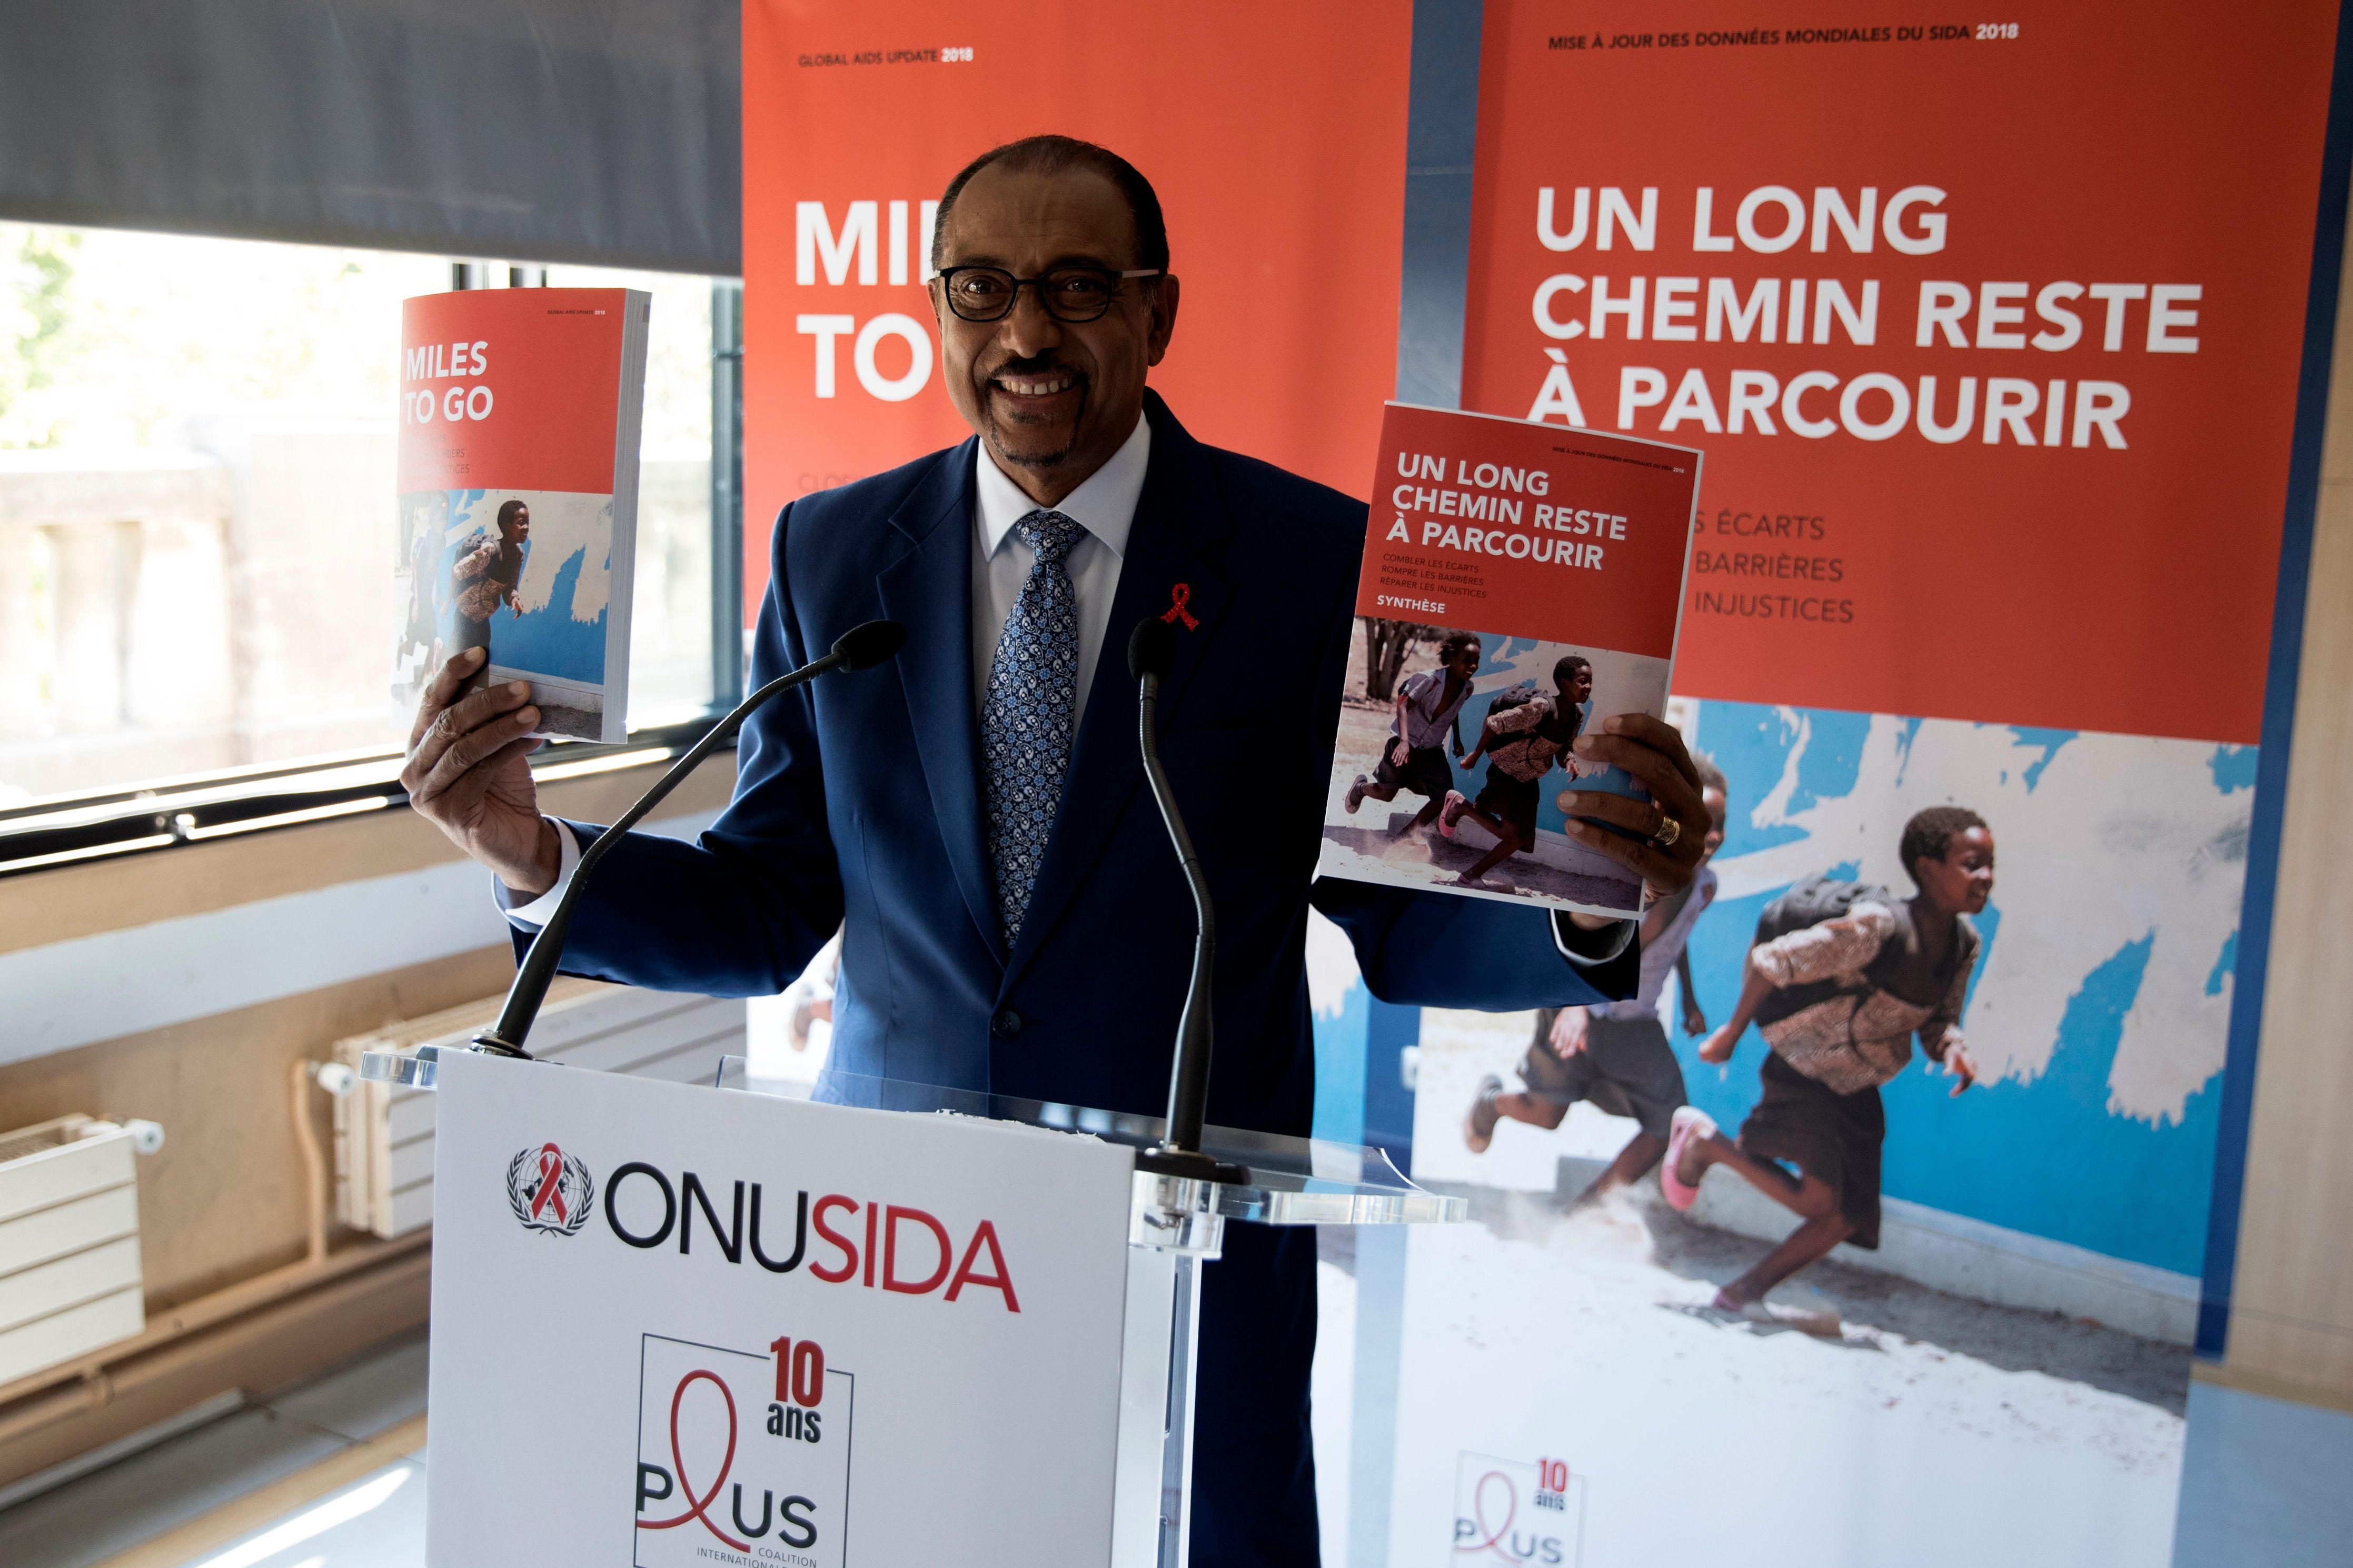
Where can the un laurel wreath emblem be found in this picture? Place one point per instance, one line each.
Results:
(550, 1190)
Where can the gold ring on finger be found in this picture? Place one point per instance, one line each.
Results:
(1669, 831)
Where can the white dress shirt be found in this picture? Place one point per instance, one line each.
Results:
(1104, 507)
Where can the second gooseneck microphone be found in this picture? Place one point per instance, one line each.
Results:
(1151, 652)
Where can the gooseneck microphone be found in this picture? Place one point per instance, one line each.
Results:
(859, 647)
(1151, 651)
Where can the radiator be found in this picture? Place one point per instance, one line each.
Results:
(70, 1276)
(383, 1133)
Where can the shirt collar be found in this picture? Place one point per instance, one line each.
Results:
(1104, 505)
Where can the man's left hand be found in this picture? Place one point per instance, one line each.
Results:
(1653, 752)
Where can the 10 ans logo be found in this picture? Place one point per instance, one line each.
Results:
(719, 1480)
(550, 1190)
(1509, 1511)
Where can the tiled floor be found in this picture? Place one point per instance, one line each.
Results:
(377, 1521)
(94, 1518)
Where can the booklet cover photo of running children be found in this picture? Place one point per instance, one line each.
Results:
(1521, 584)
(520, 414)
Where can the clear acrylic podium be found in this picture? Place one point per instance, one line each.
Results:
(1174, 1225)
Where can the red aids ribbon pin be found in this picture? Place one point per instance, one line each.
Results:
(1177, 611)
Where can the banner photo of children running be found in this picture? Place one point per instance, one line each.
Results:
(1460, 764)
(1883, 1201)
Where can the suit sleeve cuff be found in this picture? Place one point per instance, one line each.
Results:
(1587, 949)
(538, 912)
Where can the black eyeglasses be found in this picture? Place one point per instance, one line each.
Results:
(1068, 293)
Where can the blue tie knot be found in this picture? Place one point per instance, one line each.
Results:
(1049, 534)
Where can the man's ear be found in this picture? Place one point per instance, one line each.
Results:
(1163, 320)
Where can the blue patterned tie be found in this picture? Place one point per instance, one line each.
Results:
(1026, 721)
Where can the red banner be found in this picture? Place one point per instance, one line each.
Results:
(1990, 333)
(1274, 135)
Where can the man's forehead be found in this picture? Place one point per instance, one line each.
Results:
(1040, 217)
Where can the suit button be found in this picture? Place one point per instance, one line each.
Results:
(1006, 1024)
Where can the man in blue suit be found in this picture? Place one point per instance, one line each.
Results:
(976, 821)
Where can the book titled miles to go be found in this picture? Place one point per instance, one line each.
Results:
(520, 414)
(1521, 583)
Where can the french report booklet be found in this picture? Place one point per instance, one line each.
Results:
(520, 413)
(1521, 583)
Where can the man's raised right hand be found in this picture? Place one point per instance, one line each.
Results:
(467, 774)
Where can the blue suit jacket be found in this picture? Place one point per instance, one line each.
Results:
(858, 806)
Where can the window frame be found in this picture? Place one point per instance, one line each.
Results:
(159, 815)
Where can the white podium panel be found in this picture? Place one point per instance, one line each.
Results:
(672, 1325)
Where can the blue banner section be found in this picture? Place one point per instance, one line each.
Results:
(1364, 1050)
(2099, 1008)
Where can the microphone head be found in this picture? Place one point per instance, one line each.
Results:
(864, 646)
(1151, 649)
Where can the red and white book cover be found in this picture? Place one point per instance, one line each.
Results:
(520, 417)
(1521, 583)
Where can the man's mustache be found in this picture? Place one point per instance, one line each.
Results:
(1039, 365)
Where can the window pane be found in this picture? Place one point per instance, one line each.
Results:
(197, 534)
(670, 642)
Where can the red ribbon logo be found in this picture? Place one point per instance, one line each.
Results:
(1479, 1510)
(695, 1506)
(1175, 612)
(549, 1190)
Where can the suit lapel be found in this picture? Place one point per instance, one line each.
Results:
(929, 589)
(1181, 526)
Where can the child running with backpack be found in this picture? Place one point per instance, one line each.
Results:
(1615, 1055)
(1429, 706)
(1522, 738)
(1842, 976)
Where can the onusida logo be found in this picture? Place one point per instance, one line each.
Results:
(898, 1249)
(550, 1190)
